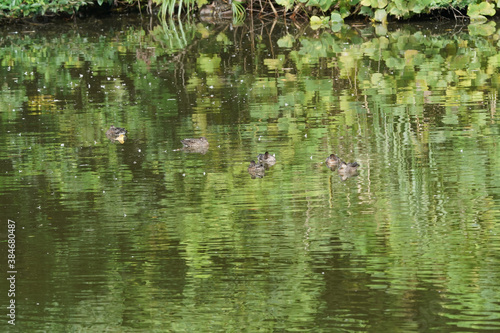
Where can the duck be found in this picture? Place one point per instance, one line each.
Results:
(256, 170)
(347, 170)
(333, 161)
(195, 143)
(266, 158)
(116, 134)
(115, 131)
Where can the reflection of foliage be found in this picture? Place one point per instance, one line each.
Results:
(173, 36)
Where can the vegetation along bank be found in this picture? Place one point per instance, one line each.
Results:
(318, 11)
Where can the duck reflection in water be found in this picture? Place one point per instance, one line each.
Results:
(116, 134)
(256, 170)
(347, 170)
(267, 160)
(217, 10)
(195, 145)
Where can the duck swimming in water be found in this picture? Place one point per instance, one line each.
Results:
(266, 159)
(116, 134)
(256, 170)
(333, 161)
(116, 131)
(347, 170)
(201, 142)
(195, 145)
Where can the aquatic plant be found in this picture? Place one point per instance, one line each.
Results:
(239, 11)
(168, 6)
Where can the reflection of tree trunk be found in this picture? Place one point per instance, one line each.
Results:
(306, 224)
(493, 106)
(330, 192)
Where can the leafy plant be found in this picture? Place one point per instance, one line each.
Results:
(478, 11)
(22, 8)
(239, 11)
(376, 10)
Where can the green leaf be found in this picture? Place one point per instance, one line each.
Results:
(381, 3)
(336, 18)
(381, 30)
(483, 8)
(336, 27)
(477, 19)
(323, 4)
(286, 41)
(487, 29)
(288, 4)
(380, 15)
(317, 22)
(344, 12)
(367, 11)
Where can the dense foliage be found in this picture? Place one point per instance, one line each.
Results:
(19, 8)
(319, 11)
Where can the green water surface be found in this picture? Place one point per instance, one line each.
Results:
(140, 236)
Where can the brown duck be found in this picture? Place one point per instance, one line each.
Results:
(347, 170)
(198, 143)
(256, 170)
(333, 161)
(267, 158)
(116, 134)
(195, 145)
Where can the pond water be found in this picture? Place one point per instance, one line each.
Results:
(135, 234)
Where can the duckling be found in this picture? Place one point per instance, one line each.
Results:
(333, 161)
(347, 170)
(267, 159)
(256, 170)
(116, 134)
